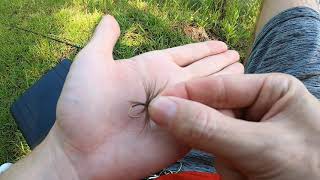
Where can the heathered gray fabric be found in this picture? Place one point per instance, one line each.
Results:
(289, 43)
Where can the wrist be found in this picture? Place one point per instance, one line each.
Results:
(51, 151)
(48, 161)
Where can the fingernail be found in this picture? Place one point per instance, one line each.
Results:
(162, 110)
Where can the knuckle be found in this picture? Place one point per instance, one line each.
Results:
(219, 97)
(284, 82)
(282, 77)
(204, 126)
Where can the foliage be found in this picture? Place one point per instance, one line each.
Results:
(146, 25)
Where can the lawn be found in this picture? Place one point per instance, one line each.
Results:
(146, 25)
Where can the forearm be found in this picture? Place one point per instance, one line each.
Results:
(47, 162)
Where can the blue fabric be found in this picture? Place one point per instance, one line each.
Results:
(35, 110)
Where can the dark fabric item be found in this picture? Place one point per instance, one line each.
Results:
(35, 110)
(290, 43)
(196, 161)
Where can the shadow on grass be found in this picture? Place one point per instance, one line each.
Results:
(24, 57)
(146, 25)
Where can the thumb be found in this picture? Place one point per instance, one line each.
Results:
(105, 36)
(205, 128)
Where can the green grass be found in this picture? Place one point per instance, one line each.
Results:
(146, 25)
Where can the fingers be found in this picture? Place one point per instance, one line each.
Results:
(187, 54)
(206, 129)
(256, 93)
(236, 68)
(227, 91)
(212, 64)
(105, 36)
(222, 92)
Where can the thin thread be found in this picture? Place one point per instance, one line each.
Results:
(50, 37)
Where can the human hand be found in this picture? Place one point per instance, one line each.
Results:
(93, 126)
(275, 134)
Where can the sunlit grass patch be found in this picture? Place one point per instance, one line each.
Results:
(145, 24)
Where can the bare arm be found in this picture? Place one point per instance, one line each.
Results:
(47, 161)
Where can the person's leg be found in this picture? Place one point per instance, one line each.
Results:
(289, 43)
(271, 8)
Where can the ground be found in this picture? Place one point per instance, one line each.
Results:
(146, 25)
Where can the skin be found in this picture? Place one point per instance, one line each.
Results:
(278, 141)
(94, 137)
(272, 134)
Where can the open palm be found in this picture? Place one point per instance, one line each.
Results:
(93, 124)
